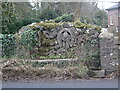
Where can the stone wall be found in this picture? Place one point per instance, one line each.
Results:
(67, 41)
(108, 52)
(97, 49)
(73, 42)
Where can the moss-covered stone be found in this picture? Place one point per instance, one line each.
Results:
(47, 29)
(78, 24)
(97, 28)
(81, 25)
(88, 26)
(47, 25)
(45, 43)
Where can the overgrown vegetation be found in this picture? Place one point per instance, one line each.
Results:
(15, 15)
(47, 25)
(32, 42)
(81, 25)
(11, 19)
(8, 45)
(49, 70)
(65, 18)
(28, 40)
(48, 14)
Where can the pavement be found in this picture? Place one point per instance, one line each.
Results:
(62, 84)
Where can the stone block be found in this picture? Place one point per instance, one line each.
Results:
(66, 25)
(92, 31)
(99, 73)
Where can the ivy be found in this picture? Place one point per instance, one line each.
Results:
(28, 39)
(8, 45)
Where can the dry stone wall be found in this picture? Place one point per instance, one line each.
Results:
(67, 41)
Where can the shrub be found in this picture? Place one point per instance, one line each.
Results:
(8, 45)
(86, 20)
(12, 28)
(48, 14)
(28, 39)
(65, 18)
(26, 43)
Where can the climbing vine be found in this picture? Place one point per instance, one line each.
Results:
(28, 39)
(8, 45)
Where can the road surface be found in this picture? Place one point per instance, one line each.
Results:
(63, 84)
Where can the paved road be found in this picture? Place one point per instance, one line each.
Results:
(64, 84)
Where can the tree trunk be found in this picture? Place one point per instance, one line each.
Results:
(78, 11)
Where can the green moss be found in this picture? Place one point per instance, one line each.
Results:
(44, 49)
(88, 26)
(47, 41)
(33, 27)
(47, 25)
(78, 24)
(45, 44)
(97, 28)
(50, 21)
(42, 36)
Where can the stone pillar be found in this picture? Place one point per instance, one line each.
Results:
(108, 53)
(119, 37)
